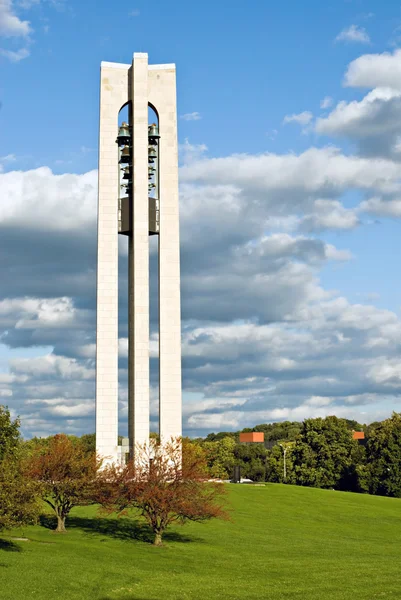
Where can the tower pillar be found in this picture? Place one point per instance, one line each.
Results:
(142, 212)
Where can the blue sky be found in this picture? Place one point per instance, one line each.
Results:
(289, 128)
(242, 69)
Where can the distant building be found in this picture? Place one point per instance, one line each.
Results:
(252, 437)
(358, 435)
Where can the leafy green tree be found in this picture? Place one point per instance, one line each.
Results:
(19, 500)
(215, 437)
(283, 431)
(88, 442)
(275, 464)
(382, 474)
(19, 495)
(9, 433)
(220, 457)
(324, 454)
(252, 460)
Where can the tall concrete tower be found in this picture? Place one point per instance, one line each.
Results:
(138, 197)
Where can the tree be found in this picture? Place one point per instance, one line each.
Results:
(275, 463)
(324, 454)
(283, 431)
(215, 437)
(252, 460)
(18, 495)
(88, 441)
(66, 473)
(382, 473)
(9, 433)
(167, 483)
(220, 457)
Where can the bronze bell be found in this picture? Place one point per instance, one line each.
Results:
(125, 155)
(124, 134)
(152, 152)
(126, 172)
(153, 132)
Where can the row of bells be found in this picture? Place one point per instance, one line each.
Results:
(127, 174)
(124, 134)
(128, 184)
(123, 139)
(126, 154)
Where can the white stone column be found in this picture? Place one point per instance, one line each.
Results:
(138, 345)
(113, 94)
(162, 96)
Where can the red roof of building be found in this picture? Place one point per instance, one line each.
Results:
(252, 436)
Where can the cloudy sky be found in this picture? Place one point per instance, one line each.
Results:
(290, 200)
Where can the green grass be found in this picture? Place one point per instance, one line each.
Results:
(284, 542)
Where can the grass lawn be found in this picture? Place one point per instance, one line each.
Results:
(284, 542)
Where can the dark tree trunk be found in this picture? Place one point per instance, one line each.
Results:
(60, 525)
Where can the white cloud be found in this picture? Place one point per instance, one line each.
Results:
(375, 70)
(382, 207)
(65, 368)
(33, 198)
(191, 152)
(303, 118)
(193, 116)
(326, 102)
(375, 121)
(329, 214)
(334, 253)
(312, 171)
(29, 313)
(73, 411)
(135, 12)
(353, 33)
(15, 55)
(10, 24)
(387, 372)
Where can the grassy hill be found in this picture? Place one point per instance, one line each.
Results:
(284, 542)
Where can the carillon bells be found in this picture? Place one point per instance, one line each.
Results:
(126, 172)
(125, 155)
(152, 154)
(127, 186)
(124, 134)
(153, 133)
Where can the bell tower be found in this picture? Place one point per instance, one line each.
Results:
(138, 197)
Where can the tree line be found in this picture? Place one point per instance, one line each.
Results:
(175, 482)
(318, 452)
(164, 483)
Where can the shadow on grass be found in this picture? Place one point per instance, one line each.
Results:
(9, 546)
(121, 529)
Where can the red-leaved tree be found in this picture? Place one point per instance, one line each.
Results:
(66, 473)
(167, 483)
